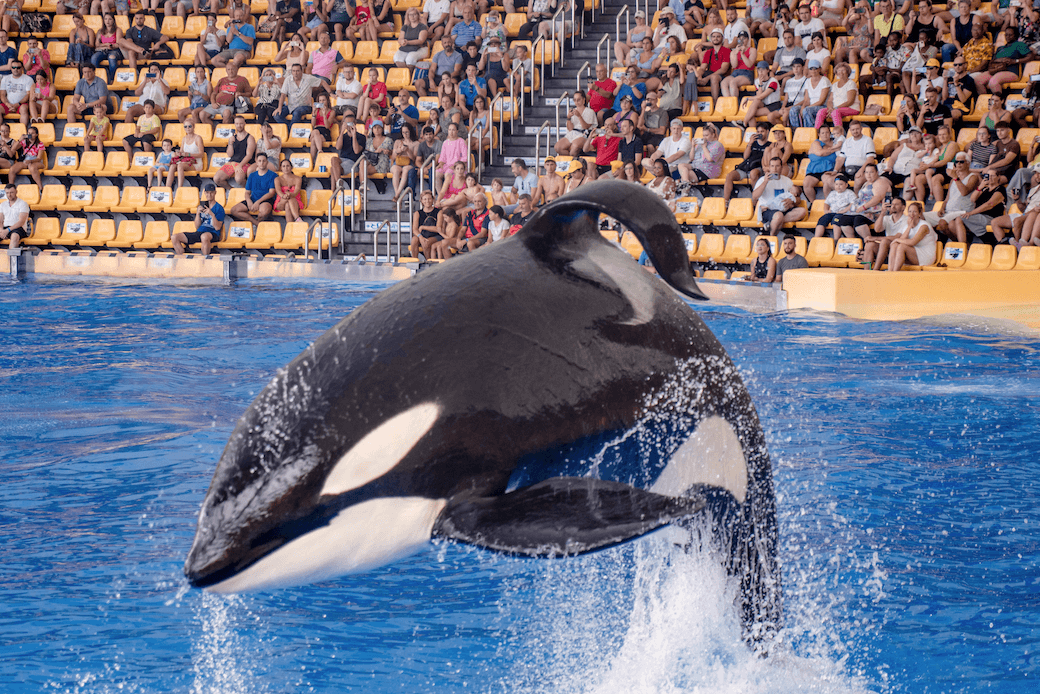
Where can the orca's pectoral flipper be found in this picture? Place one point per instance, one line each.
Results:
(560, 516)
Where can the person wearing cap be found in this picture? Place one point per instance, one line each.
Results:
(934, 113)
(806, 26)
(667, 25)
(843, 100)
(818, 52)
(742, 61)
(750, 168)
(887, 68)
(715, 65)
(784, 57)
(794, 96)
(550, 186)
(735, 26)
(958, 201)
(209, 220)
(1006, 65)
(817, 92)
(838, 202)
(767, 99)
(774, 199)
(636, 34)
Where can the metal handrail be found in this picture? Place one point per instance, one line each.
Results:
(538, 148)
(556, 110)
(354, 189)
(541, 67)
(552, 33)
(479, 130)
(606, 37)
(586, 67)
(499, 97)
(306, 251)
(512, 88)
(617, 24)
(375, 241)
(432, 159)
(406, 194)
(337, 189)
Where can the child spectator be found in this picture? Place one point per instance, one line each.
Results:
(36, 59)
(162, 164)
(97, 129)
(148, 128)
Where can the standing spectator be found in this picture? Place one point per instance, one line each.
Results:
(241, 37)
(294, 103)
(606, 146)
(445, 63)
(90, 91)
(141, 41)
(601, 92)
(152, 88)
(241, 148)
(148, 128)
(31, 154)
(324, 59)
(81, 43)
(715, 65)
(14, 92)
(107, 46)
(209, 221)
(36, 59)
(14, 214)
(260, 193)
(225, 96)
(350, 147)
(266, 94)
(412, 40)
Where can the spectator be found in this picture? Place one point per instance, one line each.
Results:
(750, 168)
(784, 58)
(90, 91)
(81, 43)
(241, 149)
(674, 149)
(453, 149)
(818, 52)
(294, 103)
(270, 145)
(141, 41)
(350, 146)
(496, 65)
(667, 26)
(606, 146)
(348, 92)
(888, 66)
(855, 153)
(916, 245)
(791, 259)
(14, 214)
(857, 46)
(1024, 227)
(934, 114)
(767, 99)
(293, 53)
(192, 154)
(8, 147)
(471, 87)
(14, 92)
(402, 168)
(645, 58)
(715, 65)
(663, 185)
(775, 200)
(469, 28)
(631, 147)
(763, 268)
(445, 63)
(260, 193)
(706, 156)
(148, 128)
(413, 39)
(978, 52)
(581, 120)
(284, 19)
(652, 125)
(823, 157)
(480, 125)
(324, 60)
(152, 88)
(601, 92)
(339, 17)
(842, 100)
(97, 129)
(539, 11)
(377, 156)
(323, 119)
(742, 58)
(200, 94)
(288, 192)
(817, 89)
(36, 59)
(226, 94)
(8, 53)
(860, 218)
(474, 226)
(241, 37)
(435, 16)
(631, 87)
(550, 186)
(374, 92)
(106, 47)
(42, 99)
(958, 202)
(500, 196)
(524, 211)
(735, 26)
(1005, 160)
(429, 146)
(452, 193)
(780, 147)
(806, 26)
(890, 224)
(209, 221)
(838, 203)
(901, 166)
(162, 164)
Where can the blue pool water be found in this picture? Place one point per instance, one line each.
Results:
(906, 469)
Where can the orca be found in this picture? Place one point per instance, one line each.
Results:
(449, 405)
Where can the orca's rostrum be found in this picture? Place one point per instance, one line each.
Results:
(445, 406)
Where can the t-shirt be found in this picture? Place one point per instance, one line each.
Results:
(856, 152)
(669, 146)
(715, 59)
(893, 228)
(259, 184)
(444, 63)
(730, 32)
(352, 87)
(785, 56)
(525, 184)
(710, 165)
(7, 55)
(11, 212)
(796, 263)
(772, 187)
(146, 123)
(794, 90)
(228, 87)
(218, 216)
(933, 119)
(805, 30)
(347, 153)
(841, 202)
(436, 9)
(637, 100)
(465, 32)
(606, 149)
(815, 92)
(143, 37)
(298, 95)
(1003, 149)
(887, 26)
(496, 230)
(469, 90)
(597, 102)
(238, 43)
(17, 88)
(628, 150)
(397, 120)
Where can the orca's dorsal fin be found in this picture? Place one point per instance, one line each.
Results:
(638, 209)
(562, 516)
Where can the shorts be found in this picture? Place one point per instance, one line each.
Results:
(134, 139)
(854, 220)
(829, 218)
(775, 106)
(229, 168)
(894, 178)
(7, 109)
(231, 53)
(767, 215)
(945, 175)
(431, 235)
(193, 237)
(314, 22)
(744, 73)
(748, 165)
(217, 109)
(699, 175)
(602, 169)
(213, 53)
(323, 131)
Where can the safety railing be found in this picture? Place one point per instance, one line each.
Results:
(562, 37)
(617, 24)
(587, 67)
(499, 98)
(541, 67)
(338, 193)
(478, 133)
(538, 148)
(512, 89)
(606, 37)
(562, 101)
(306, 239)
(375, 241)
(431, 161)
(406, 195)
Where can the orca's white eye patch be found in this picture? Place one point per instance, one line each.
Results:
(712, 455)
(381, 449)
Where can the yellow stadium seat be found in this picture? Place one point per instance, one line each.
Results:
(133, 199)
(237, 234)
(59, 51)
(725, 109)
(188, 51)
(221, 134)
(61, 26)
(121, 130)
(74, 231)
(301, 163)
(216, 160)
(72, 135)
(738, 247)
(729, 164)
(882, 137)
(234, 196)
(105, 199)
(65, 162)
(366, 53)
(820, 250)
(1004, 257)
(686, 209)
(712, 210)
(159, 200)
(79, 197)
(765, 45)
(264, 53)
(347, 198)
(845, 252)
(386, 54)
(317, 203)
(45, 230)
(815, 212)
(116, 164)
(714, 275)
(130, 231)
(53, 195)
(185, 201)
(193, 27)
(267, 235)
(177, 78)
(126, 79)
(30, 192)
(631, 244)
(954, 254)
(978, 257)
(102, 231)
(65, 79)
(1025, 137)
(299, 136)
(513, 22)
(740, 213)
(324, 159)
(1028, 258)
(90, 163)
(710, 247)
(885, 103)
(690, 242)
(155, 234)
(803, 139)
(398, 78)
(173, 26)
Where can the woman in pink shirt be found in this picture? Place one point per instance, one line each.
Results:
(453, 149)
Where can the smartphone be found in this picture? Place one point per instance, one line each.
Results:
(888, 198)
(150, 75)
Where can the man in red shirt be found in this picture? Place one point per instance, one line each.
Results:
(224, 95)
(601, 93)
(714, 64)
(606, 146)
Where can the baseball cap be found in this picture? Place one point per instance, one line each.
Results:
(208, 187)
(640, 13)
(841, 177)
(714, 31)
(933, 63)
(744, 34)
(763, 64)
(798, 61)
(667, 10)
(815, 64)
(549, 159)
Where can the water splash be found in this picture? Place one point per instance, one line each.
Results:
(221, 656)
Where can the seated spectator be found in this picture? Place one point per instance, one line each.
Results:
(763, 268)
(284, 19)
(837, 204)
(294, 102)
(266, 93)
(451, 193)
(767, 99)
(480, 125)
(241, 149)
(818, 51)
(412, 40)
(1006, 65)
(524, 211)
(363, 25)
(200, 94)
(856, 151)
(581, 120)
(816, 90)
(500, 196)
(445, 63)
(211, 41)
(374, 92)
(383, 16)
(625, 112)
(107, 46)
(474, 226)
(496, 64)
(713, 68)
(750, 168)
(324, 60)
(36, 59)
(668, 26)
(794, 96)
(449, 228)
(887, 69)
(916, 245)
(241, 38)
(781, 147)
(706, 156)
(890, 224)
(161, 165)
(675, 150)
(8, 53)
(348, 92)
(857, 45)
(72, 6)
(401, 113)
(453, 149)
(403, 158)
(144, 42)
(323, 120)
(785, 56)
(429, 146)
(470, 88)
(1025, 229)
(377, 155)
(645, 58)
(580, 175)
(550, 186)
(861, 217)
(606, 147)
(146, 131)
(823, 157)
(842, 100)
(97, 129)
(663, 185)
(988, 203)
(435, 14)
(978, 52)
(791, 259)
(900, 166)
(774, 199)
(192, 156)
(742, 59)
(225, 95)
(81, 43)
(339, 15)
(154, 88)
(14, 214)
(42, 99)
(652, 124)
(293, 53)
(8, 146)
(209, 222)
(538, 12)
(958, 202)
(631, 146)
(260, 193)
(735, 26)
(632, 88)
(1005, 159)
(14, 92)
(425, 229)
(268, 144)
(601, 93)
(288, 192)
(350, 146)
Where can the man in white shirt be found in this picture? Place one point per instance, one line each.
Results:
(14, 214)
(774, 199)
(890, 223)
(14, 91)
(734, 25)
(806, 26)
(435, 16)
(348, 91)
(857, 151)
(668, 26)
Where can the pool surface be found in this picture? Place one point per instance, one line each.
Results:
(906, 467)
